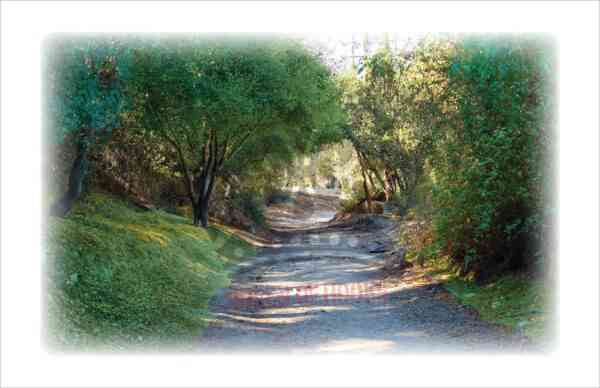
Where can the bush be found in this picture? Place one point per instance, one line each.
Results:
(251, 204)
(488, 185)
(416, 235)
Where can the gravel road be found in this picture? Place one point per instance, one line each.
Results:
(319, 290)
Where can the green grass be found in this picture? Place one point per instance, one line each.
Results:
(118, 276)
(517, 301)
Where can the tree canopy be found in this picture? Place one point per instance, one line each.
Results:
(455, 125)
(222, 103)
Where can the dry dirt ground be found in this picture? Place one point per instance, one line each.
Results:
(317, 289)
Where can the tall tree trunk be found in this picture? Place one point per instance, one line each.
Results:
(77, 176)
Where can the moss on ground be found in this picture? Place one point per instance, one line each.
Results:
(517, 301)
(119, 276)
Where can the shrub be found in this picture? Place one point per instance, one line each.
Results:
(251, 204)
(488, 184)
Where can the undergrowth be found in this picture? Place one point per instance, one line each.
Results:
(516, 300)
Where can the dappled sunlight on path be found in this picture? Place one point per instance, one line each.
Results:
(318, 291)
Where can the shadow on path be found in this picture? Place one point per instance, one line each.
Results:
(319, 292)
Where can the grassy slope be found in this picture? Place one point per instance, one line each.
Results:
(514, 300)
(118, 275)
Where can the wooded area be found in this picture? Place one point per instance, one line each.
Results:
(455, 133)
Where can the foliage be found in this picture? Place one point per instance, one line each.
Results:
(227, 104)
(380, 127)
(251, 204)
(417, 237)
(137, 165)
(123, 276)
(487, 162)
(85, 84)
(84, 102)
(462, 126)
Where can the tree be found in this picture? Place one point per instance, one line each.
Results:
(469, 117)
(375, 97)
(84, 100)
(212, 99)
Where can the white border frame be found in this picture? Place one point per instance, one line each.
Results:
(25, 362)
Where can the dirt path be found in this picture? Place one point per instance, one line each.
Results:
(319, 290)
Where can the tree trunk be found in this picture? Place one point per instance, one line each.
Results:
(196, 212)
(201, 186)
(390, 186)
(203, 208)
(363, 171)
(200, 212)
(204, 187)
(368, 196)
(77, 177)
